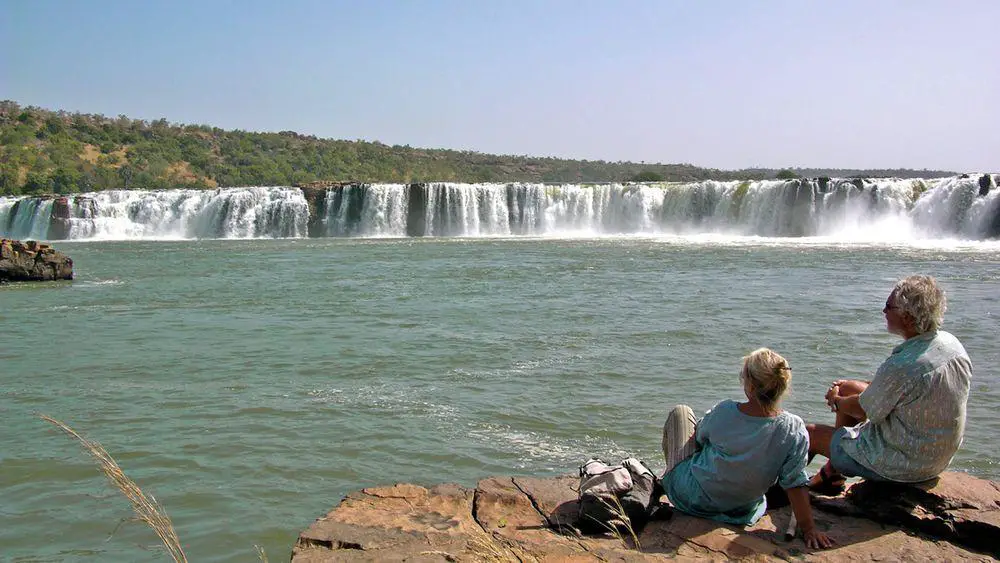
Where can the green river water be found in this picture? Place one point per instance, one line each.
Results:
(250, 384)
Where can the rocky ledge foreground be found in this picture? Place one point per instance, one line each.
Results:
(32, 261)
(953, 518)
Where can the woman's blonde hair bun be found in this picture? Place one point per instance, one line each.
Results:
(769, 375)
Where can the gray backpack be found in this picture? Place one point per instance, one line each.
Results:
(615, 498)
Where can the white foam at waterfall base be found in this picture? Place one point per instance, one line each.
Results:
(838, 241)
(889, 229)
(954, 207)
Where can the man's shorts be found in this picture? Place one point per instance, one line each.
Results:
(844, 463)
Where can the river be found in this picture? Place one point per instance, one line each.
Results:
(250, 384)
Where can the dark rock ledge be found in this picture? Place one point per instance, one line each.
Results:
(32, 261)
(953, 518)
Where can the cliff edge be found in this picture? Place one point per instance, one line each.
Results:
(955, 517)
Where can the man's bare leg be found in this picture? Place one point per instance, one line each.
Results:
(819, 439)
(820, 435)
(848, 388)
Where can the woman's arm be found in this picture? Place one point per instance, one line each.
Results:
(799, 497)
(702, 428)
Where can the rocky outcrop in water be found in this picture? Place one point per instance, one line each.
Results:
(59, 224)
(32, 261)
(315, 196)
(985, 184)
(956, 517)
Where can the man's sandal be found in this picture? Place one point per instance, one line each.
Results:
(830, 483)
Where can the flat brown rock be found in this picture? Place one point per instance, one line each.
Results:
(953, 506)
(384, 522)
(531, 519)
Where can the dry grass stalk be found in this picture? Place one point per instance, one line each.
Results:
(621, 521)
(146, 508)
(443, 554)
(486, 547)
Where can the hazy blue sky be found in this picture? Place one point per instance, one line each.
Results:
(720, 84)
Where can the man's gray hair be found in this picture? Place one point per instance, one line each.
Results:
(922, 299)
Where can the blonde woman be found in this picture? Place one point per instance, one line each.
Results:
(720, 467)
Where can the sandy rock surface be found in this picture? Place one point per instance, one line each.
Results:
(954, 518)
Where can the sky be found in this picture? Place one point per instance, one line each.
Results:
(720, 84)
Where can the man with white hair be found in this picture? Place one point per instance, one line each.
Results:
(906, 424)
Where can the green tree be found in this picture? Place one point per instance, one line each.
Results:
(647, 176)
(139, 154)
(126, 173)
(53, 126)
(106, 178)
(65, 180)
(37, 183)
(786, 174)
(9, 179)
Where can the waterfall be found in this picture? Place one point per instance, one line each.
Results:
(25, 218)
(255, 212)
(956, 207)
(374, 211)
(467, 210)
(840, 208)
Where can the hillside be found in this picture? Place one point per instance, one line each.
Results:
(44, 151)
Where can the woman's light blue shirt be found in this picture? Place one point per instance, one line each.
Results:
(739, 458)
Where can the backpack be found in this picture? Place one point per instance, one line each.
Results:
(616, 498)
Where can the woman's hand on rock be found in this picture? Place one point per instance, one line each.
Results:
(816, 539)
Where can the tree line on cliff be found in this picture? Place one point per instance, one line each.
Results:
(45, 151)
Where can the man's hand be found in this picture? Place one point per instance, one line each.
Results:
(844, 397)
(832, 394)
